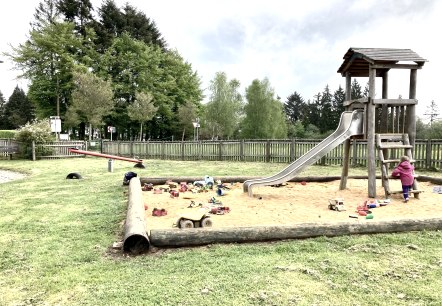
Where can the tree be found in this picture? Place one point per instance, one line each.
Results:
(186, 116)
(113, 22)
(326, 121)
(142, 109)
(2, 112)
(92, 99)
(224, 106)
(432, 112)
(48, 59)
(356, 90)
(19, 110)
(294, 107)
(131, 65)
(264, 116)
(45, 14)
(79, 12)
(338, 105)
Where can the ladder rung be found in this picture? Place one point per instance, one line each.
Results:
(388, 161)
(394, 146)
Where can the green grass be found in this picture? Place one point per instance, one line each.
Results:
(56, 236)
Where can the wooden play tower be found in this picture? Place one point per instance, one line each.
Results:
(389, 124)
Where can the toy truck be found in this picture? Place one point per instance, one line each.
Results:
(193, 219)
(336, 204)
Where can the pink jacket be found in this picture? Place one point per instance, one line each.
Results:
(405, 172)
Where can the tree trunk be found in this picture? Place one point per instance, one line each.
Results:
(141, 131)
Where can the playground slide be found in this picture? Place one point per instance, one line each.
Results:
(351, 124)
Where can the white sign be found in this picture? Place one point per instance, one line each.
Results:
(55, 124)
(111, 129)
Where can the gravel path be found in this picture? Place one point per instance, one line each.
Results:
(6, 176)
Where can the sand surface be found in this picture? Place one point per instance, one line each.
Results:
(293, 203)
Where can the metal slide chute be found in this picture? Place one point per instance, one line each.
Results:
(350, 124)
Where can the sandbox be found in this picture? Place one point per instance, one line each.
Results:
(294, 210)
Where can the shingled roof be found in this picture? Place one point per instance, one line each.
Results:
(357, 60)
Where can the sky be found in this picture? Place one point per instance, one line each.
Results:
(297, 45)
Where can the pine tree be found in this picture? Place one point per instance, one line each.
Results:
(45, 14)
(356, 90)
(2, 112)
(294, 107)
(78, 12)
(18, 110)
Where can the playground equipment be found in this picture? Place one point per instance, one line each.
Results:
(388, 125)
(138, 162)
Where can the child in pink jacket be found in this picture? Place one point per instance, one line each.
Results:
(405, 171)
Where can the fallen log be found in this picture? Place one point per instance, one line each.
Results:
(135, 240)
(199, 236)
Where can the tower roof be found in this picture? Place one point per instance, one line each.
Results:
(357, 60)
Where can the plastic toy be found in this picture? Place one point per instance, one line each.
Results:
(336, 204)
(191, 219)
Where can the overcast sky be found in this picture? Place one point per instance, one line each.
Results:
(297, 45)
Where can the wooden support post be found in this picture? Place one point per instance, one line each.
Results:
(346, 157)
(384, 115)
(371, 153)
(411, 109)
(345, 164)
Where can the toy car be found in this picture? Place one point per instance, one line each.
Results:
(193, 219)
(336, 204)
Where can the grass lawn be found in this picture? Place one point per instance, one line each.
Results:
(56, 236)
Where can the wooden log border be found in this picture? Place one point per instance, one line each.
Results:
(199, 236)
(135, 239)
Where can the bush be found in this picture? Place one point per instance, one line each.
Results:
(8, 134)
(37, 131)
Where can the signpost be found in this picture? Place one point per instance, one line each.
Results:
(196, 125)
(55, 123)
(111, 130)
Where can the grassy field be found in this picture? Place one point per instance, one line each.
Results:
(56, 238)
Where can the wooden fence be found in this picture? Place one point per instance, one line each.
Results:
(8, 147)
(427, 153)
(57, 149)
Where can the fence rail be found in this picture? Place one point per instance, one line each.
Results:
(427, 153)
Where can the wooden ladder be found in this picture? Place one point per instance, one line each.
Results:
(393, 143)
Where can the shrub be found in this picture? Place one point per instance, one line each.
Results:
(37, 131)
(8, 134)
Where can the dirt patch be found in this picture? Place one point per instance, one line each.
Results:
(293, 203)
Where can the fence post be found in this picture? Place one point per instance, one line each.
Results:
(182, 150)
(292, 150)
(220, 150)
(33, 151)
(132, 148)
(241, 150)
(267, 158)
(428, 150)
(163, 150)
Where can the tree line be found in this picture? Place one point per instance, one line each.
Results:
(115, 69)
